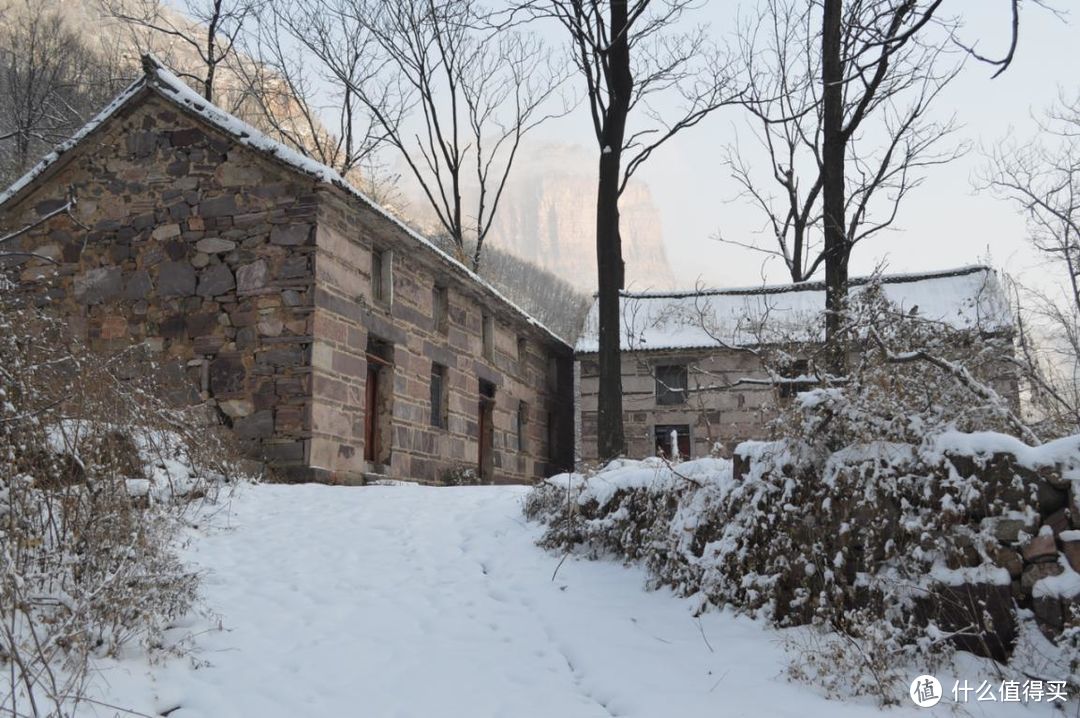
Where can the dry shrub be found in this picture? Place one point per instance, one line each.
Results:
(98, 471)
(460, 476)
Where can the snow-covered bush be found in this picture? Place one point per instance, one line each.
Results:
(875, 520)
(460, 476)
(887, 554)
(906, 378)
(97, 472)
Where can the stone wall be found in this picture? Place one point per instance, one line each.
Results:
(995, 503)
(724, 417)
(257, 280)
(347, 316)
(198, 247)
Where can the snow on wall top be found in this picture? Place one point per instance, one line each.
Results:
(172, 88)
(964, 298)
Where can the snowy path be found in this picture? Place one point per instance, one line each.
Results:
(422, 602)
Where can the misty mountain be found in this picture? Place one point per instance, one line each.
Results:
(547, 216)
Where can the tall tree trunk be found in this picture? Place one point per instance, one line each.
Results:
(611, 440)
(208, 83)
(610, 436)
(832, 158)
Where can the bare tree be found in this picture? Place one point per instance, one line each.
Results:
(453, 99)
(633, 57)
(50, 84)
(840, 75)
(205, 29)
(307, 104)
(8, 240)
(780, 50)
(1042, 179)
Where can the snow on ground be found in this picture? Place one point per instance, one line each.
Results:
(402, 601)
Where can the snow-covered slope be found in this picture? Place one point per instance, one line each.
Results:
(411, 601)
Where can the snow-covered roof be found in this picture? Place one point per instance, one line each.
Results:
(165, 84)
(964, 298)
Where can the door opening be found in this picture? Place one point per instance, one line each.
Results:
(378, 401)
(486, 457)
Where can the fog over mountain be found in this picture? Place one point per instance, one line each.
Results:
(547, 216)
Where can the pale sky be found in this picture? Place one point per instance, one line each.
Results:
(942, 224)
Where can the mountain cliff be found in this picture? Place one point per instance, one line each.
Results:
(548, 216)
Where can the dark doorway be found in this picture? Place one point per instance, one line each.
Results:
(371, 392)
(672, 440)
(486, 454)
(378, 401)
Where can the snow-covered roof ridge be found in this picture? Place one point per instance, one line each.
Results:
(964, 298)
(167, 85)
(809, 285)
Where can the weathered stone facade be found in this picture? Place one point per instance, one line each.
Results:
(348, 318)
(692, 362)
(255, 274)
(712, 417)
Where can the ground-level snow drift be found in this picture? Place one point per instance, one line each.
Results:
(435, 602)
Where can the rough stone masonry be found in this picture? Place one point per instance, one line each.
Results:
(255, 273)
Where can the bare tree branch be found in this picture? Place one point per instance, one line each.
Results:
(453, 97)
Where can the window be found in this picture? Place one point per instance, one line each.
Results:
(440, 309)
(794, 370)
(671, 384)
(488, 336)
(522, 353)
(438, 396)
(522, 422)
(672, 437)
(382, 277)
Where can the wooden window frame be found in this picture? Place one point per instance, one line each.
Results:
(662, 432)
(382, 276)
(668, 393)
(440, 308)
(522, 422)
(439, 396)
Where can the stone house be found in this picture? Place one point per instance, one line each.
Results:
(685, 373)
(338, 343)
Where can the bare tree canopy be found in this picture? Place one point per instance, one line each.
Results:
(1042, 179)
(310, 103)
(841, 92)
(50, 84)
(632, 58)
(863, 45)
(892, 135)
(207, 29)
(453, 98)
